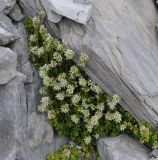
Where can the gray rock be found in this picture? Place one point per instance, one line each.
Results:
(11, 97)
(154, 153)
(16, 14)
(6, 6)
(8, 62)
(20, 46)
(8, 32)
(57, 8)
(122, 148)
(31, 7)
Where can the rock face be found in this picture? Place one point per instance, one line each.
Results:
(24, 133)
(8, 31)
(122, 148)
(56, 9)
(6, 6)
(8, 62)
(121, 40)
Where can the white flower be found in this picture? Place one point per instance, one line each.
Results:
(87, 140)
(97, 136)
(82, 81)
(53, 64)
(89, 128)
(45, 102)
(60, 47)
(51, 114)
(96, 89)
(92, 106)
(61, 78)
(33, 38)
(74, 119)
(47, 81)
(85, 112)
(70, 89)
(65, 108)
(43, 91)
(74, 72)
(109, 116)
(39, 51)
(117, 117)
(83, 59)
(56, 86)
(100, 107)
(43, 70)
(60, 96)
(57, 57)
(76, 98)
(43, 30)
(99, 114)
(123, 127)
(112, 103)
(69, 54)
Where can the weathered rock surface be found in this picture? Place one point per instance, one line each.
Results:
(6, 6)
(122, 148)
(16, 14)
(8, 62)
(56, 9)
(122, 44)
(8, 32)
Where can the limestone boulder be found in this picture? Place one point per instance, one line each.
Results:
(8, 32)
(6, 6)
(122, 148)
(8, 62)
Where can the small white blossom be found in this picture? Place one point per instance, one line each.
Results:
(123, 127)
(45, 102)
(85, 112)
(53, 64)
(47, 81)
(57, 57)
(117, 117)
(60, 47)
(83, 59)
(65, 108)
(74, 119)
(87, 140)
(82, 81)
(60, 96)
(74, 72)
(70, 89)
(51, 114)
(56, 86)
(75, 99)
(97, 136)
(92, 106)
(112, 103)
(100, 107)
(43, 30)
(43, 70)
(109, 116)
(69, 54)
(33, 38)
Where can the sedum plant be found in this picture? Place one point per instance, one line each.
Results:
(74, 153)
(74, 104)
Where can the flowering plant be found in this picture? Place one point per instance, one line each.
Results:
(74, 104)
